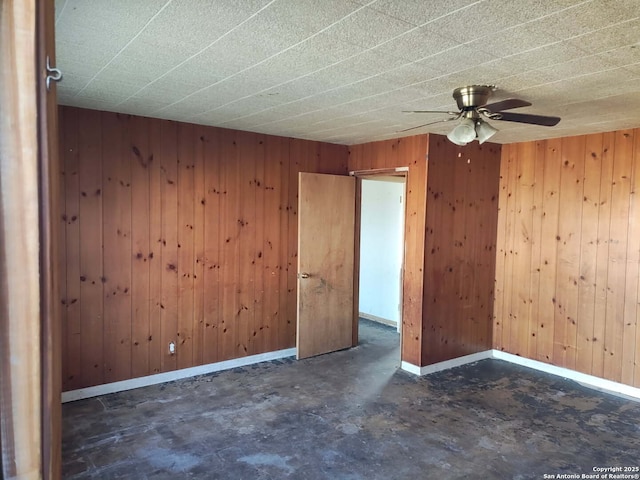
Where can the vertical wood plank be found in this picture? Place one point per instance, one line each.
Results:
(257, 332)
(229, 255)
(433, 304)
(456, 269)
(414, 153)
(536, 247)
(295, 166)
(631, 304)
(62, 242)
(91, 244)
(454, 195)
(156, 346)
(212, 242)
(522, 248)
(357, 220)
(618, 236)
(74, 371)
(199, 245)
(246, 220)
(279, 334)
(510, 229)
(138, 157)
(636, 220)
(501, 251)
(602, 254)
(567, 271)
(275, 151)
(117, 247)
(491, 164)
(549, 249)
(185, 245)
(588, 253)
(169, 206)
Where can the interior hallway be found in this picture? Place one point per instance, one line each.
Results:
(352, 415)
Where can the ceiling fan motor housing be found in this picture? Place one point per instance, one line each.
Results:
(472, 96)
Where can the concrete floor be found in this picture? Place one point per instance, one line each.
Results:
(352, 415)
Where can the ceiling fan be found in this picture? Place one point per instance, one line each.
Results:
(472, 105)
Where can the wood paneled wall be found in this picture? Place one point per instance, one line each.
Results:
(450, 238)
(405, 152)
(176, 233)
(567, 290)
(459, 261)
(450, 241)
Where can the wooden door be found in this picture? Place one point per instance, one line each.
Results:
(29, 384)
(326, 228)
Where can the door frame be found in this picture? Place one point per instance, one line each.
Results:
(49, 209)
(359, 176)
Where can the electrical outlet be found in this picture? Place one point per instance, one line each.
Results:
(172, 348)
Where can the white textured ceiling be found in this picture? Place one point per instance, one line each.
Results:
(342, 71)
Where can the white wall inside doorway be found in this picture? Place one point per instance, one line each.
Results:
(381, 248)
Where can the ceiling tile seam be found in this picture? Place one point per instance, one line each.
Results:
(333, 65)
(584, 57)
(433, 78)
(352, 125)
(64, 6)
(562, 62)
(592, 98)
(265, 59)
(253, 15)
(352, 101)
(355, 83)
(587, 56)
(123, 48)
(392, 69)
(581, 76)
(386, 71)
(591, 32)
(520, 25)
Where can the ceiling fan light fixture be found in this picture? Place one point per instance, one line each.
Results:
(464, 132)
(485, 131)
(472, 104)
(452, 139)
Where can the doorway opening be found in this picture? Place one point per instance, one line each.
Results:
(380, 256)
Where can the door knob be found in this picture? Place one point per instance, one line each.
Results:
(303, 275)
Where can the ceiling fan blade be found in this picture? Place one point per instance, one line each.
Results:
(430, 111)
(507, 104)
(430, 123)
(528, 118)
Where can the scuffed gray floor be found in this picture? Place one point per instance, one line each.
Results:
(352, 415)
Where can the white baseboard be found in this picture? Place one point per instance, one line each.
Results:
(123, 385)
(410, 367)
(447, 364)
(590, 381)
(374, 318)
